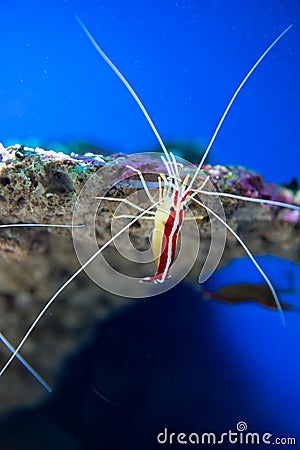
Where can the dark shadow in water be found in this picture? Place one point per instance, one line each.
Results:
(158, 364)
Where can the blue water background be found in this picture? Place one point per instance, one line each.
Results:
(184, 59)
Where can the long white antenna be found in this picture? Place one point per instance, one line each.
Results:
(267, 280)
(69, 280)
(127, 85)
(250, 199)
(43, 225)
(26, 364)
(231, 102)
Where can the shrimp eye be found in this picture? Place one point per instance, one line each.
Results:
(184, 207)
(172, 208)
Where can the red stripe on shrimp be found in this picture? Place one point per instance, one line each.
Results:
(168, 243)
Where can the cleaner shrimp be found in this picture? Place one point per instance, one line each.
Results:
(175, 191)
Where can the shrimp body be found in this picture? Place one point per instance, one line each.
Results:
(167, 225)
(168, 218)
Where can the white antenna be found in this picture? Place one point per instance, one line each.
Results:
(127, 85)
(231, 102)
(69, 280)
(26, 364)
